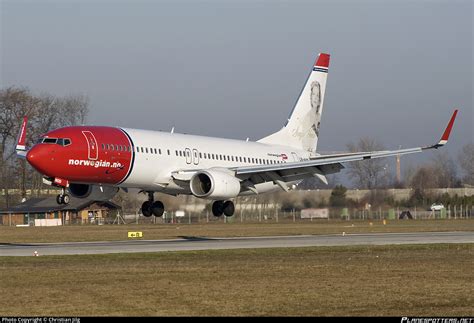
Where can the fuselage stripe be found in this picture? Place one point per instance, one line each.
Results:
(133, 157)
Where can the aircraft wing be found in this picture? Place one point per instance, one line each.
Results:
(325, 164)
(317, 166)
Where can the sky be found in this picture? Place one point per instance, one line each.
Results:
(235, 68)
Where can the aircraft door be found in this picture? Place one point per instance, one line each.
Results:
(295, 157)
(93, 151)
(188, 156)
(195, 157)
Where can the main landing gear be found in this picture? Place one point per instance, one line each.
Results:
(223, 207)
(152, 207)
(62, 198)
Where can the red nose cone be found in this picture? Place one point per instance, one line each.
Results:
(31, 156)
(38, 158)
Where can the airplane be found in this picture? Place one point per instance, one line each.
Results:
(96, 161)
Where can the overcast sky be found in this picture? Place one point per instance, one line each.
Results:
(234, 68)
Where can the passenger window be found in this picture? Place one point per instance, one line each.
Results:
(200, 155)
(168, 152)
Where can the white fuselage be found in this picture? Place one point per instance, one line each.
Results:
(157, 155)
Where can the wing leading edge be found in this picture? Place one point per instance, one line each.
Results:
(327, 164)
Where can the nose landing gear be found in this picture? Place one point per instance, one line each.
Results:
(62, 198)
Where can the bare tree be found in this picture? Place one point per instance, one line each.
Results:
(424, 178)
(444, 170)
(14, 104)
(44, 112)
(368, 173)
(466, 161)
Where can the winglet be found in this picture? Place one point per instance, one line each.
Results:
(444, 138)
(21, 144)
(447, 131)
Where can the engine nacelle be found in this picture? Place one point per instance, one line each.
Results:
(93, 192)
(214, 184)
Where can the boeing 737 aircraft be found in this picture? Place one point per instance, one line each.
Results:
(95, 161)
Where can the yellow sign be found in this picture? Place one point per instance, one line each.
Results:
(135, 234)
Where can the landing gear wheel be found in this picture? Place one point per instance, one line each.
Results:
(62, 199)
(228, 208)
(157, 208)
(146, 208)
(218, 208)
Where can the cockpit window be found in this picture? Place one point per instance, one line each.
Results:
(64, 141)
(49, 140)
(59, 141)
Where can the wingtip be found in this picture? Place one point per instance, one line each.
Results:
(445, 137)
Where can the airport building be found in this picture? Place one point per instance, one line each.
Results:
(46, 211)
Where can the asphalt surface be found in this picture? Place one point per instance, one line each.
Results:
(202, 243)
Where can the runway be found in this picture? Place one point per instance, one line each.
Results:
(202, 243)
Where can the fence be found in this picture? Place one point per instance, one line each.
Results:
(275, 215)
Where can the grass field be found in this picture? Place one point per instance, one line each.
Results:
(418, 280)
(170, 231)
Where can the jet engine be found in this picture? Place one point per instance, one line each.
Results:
(93, 192)
(214, 184)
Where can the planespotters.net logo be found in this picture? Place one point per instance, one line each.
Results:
(94, 163)
(437, 320)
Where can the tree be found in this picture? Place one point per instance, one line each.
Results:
(444, 170)
(44, 113)
(370, 173)
(466, 161)
(424, 178)
(338, 196)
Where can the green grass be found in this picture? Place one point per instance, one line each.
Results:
(236, 229)
(416, 280)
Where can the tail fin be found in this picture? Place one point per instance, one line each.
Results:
(302, 129)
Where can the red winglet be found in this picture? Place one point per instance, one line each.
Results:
(21, 145)
(449, 127)
(323, 60)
